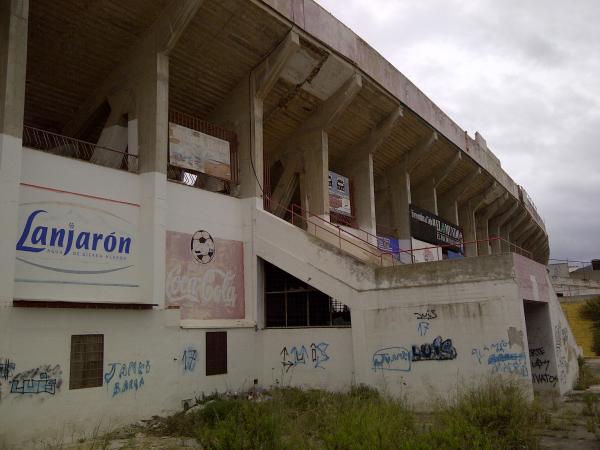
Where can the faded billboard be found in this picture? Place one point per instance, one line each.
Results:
(205, 276)
(191, 149)
(339, 194)
(75, 247)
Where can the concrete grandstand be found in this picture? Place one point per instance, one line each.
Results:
(202, 196)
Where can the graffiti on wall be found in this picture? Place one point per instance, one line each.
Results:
(396, 359)
(423, 318)
(7, 368)
(298, 355)
(430, 314)
(126, 377)
(189, 359)
(561, 337)
(438, 350)
(40, 380)
(500, 359)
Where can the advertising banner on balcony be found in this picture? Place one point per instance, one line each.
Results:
(205, 276)
(191, 149)
(72, 247)
(426, 226)
(424, 252)
(339, 194)
(397, 247)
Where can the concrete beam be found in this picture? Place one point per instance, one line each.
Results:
(269, 71)
(493, 207)
(526, 227)
(373, 140)
(454, 193)
(358, 166)
(161, 37)
(482, 222)
(288, 182)
(324, 117)
(495, 226)
(484, 198)
(447, 170)
(415, 155)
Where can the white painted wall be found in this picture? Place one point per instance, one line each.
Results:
(477, 303)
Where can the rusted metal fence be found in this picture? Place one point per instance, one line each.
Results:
(57, 144)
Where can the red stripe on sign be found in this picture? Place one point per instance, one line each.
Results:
(80, 195)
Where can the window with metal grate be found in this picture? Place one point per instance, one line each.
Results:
(87, 361)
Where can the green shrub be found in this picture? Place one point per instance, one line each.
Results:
(591, 310)
(492, 416)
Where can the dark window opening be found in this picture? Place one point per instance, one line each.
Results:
(290, 302)
(216, 352)
(87, 361)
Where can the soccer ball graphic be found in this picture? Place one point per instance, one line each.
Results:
(203, 247)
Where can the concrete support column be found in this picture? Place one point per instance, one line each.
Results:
(400, 200)
(315, 149)
(448, 209)
(466, 219)
(425, 196)
(13, 59)
(152, 107)
(448, 202)
(483, 221)
(496, 227)
(363, 194)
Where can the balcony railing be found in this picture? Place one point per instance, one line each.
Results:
(360, 243)
(57, 144)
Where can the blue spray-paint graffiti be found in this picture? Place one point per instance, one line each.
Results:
(126, 376)
(41, 380)
(190, 356)
(43, 385)
(423, 328)
(438, 350)
(500, 360)
(397, 359)
(319, 354)
(298, 355)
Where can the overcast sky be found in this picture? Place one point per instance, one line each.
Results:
(525, 74)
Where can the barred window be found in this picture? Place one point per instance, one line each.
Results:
(87, 361)
(289, 302)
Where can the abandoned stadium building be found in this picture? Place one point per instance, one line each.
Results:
(201, 196)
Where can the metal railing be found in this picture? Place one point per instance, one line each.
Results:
(334, 234)
(58, 144)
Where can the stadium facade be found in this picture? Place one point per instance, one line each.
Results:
(201, 196)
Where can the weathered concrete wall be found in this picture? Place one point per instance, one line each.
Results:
(316, 357)
(39, 342)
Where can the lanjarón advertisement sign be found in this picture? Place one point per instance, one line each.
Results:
(67, 243)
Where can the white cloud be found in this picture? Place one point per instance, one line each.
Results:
(525, 75)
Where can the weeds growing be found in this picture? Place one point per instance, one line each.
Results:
(491, 416)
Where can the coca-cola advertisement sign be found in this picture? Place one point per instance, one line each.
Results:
(205, 276)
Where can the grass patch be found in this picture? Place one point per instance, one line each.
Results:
(586, 377)
(491, 416)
